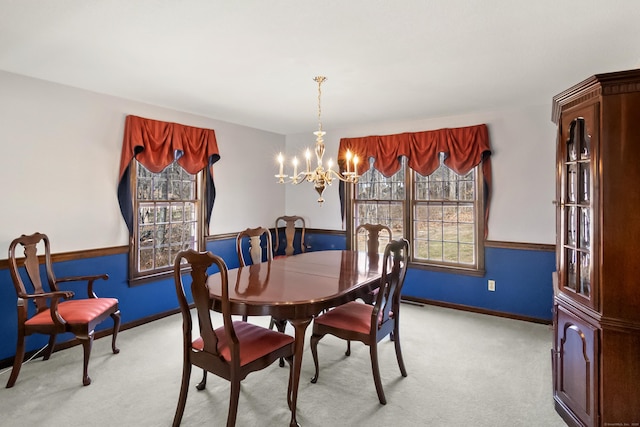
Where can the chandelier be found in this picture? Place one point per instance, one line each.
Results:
(320, 177)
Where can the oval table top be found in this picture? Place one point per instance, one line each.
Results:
(301, 285)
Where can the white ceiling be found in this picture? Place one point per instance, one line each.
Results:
(252, 62)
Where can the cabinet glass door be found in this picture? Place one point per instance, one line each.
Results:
(576, 208)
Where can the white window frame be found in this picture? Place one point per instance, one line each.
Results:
(164, 217)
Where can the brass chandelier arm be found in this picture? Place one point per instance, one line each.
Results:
(328, 175)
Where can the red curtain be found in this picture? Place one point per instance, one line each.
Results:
(156, 145)
(464, 149)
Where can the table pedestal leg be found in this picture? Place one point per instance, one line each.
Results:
(300, 326)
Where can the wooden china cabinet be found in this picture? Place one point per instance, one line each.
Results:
(596, 354)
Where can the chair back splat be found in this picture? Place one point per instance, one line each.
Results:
(369, 324)
(371, 235)
(290, 235)
(57, 311)
(230, 351)
(257, 243)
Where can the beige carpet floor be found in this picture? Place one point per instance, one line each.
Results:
(465, 369)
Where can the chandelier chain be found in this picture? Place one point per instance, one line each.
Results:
(320, 80)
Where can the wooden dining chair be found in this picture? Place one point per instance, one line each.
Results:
(257, 243)
(290, 231)
(366, 323)
(56, 311)
(259, 247)
(230, 351)
(370, 238)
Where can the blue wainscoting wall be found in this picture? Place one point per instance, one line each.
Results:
(523, 279)
(523, 286)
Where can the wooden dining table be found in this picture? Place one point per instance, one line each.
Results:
(295, 289)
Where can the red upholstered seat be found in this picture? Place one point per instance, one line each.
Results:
(354, 316)
(75, 311)
(254, 341)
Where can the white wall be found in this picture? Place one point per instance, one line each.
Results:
(523, 161)
(61, 152)
(60, 155)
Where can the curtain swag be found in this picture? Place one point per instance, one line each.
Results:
(156, 145)
(464, 149)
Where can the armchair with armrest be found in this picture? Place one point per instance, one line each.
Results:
(56, 310)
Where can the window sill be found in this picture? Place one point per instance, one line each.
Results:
(149, 278)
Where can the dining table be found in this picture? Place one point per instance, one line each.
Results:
(295, 289)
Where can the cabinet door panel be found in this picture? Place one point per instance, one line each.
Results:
(577, 155)
(576, 381)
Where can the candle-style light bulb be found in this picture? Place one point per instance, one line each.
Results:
(355, 166)
(329, 164)
(295, 167)
(281, 160)
(307, 155)
(348, 160)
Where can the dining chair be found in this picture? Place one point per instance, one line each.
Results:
(56, 311)
(259, 247)
(254, 238)
(230, 351)
(290, 231)
(369, 324)
(370, 238)
(290, 248)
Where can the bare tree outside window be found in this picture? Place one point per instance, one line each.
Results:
(167, 205)
(380, 200)
(440, 213)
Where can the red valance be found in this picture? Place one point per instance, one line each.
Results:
(464, 149)
(156, 145)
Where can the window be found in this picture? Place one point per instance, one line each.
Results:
(441, 214)
(167, 210)
(167, 220)
(431, 187)
(381, 200)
